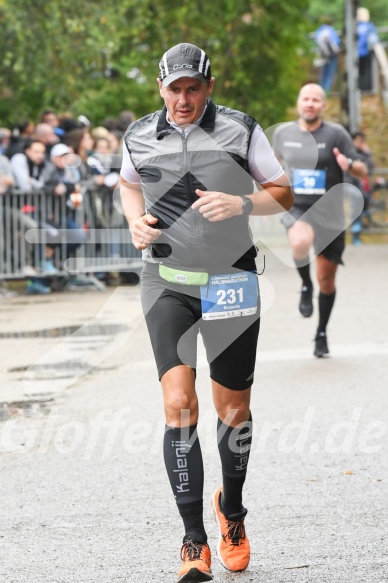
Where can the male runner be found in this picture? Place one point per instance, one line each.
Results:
(316, 153)
(187, 190)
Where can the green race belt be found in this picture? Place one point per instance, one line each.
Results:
(183, 277)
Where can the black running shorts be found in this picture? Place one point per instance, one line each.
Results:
(333, 251)
(174, 318)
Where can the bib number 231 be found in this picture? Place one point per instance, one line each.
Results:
(230, 296)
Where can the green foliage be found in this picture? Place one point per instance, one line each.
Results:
(55, 54)
(50, 49)
(252, 47)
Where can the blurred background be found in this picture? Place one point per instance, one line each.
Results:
(75, 74)
(96, 59)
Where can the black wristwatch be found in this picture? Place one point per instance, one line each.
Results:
(350, 162)
(247, 207)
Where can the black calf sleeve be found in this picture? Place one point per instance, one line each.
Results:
(234, 445)
(183, 460)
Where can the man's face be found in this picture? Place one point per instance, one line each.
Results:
(185, 99)
(51, 119)
(46, 134)
(36, 152)
(58, 161)
(310, 104)
(358, 142)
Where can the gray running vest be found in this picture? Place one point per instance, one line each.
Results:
(172, 165)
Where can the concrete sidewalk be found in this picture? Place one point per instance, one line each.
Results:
(86, 495)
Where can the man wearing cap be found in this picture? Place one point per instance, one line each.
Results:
(64, 179)
(187, 187)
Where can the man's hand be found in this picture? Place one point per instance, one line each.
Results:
(60, 189)
(217, 206)
(358, 169)
(99, 179)
(142, 232)
(140, 224)
(342, 160)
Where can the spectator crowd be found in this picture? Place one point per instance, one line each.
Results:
(58, 158)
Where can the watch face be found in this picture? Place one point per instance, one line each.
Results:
(247, 205)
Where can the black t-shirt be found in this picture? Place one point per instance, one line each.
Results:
(312, 167)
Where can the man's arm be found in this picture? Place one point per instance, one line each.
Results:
(21, 174)
(6, 180)
(355, 168)
(274, 194)
(275, 197)
(140, 223)
(272, 198)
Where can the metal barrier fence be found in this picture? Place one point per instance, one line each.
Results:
(88, 236)
(94, 237)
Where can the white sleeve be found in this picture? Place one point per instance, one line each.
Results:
(263, 164)
(128, 171)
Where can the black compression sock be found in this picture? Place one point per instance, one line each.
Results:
(183, 459)
(325, 303)
(234, 446)
(303, 267)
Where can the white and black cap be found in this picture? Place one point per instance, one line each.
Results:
(184, 60)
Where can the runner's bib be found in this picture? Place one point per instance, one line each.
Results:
(309, 181)
(230, 296)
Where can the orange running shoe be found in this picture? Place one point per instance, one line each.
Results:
(233, 548)
(196, 561)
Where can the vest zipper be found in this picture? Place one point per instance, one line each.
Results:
(196, 225)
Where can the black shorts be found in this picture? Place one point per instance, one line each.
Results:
(174, 317)
(332, 251)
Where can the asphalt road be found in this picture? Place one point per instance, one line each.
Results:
(85, 497)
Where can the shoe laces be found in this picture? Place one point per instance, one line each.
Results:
(191, 551)
(236, 532)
